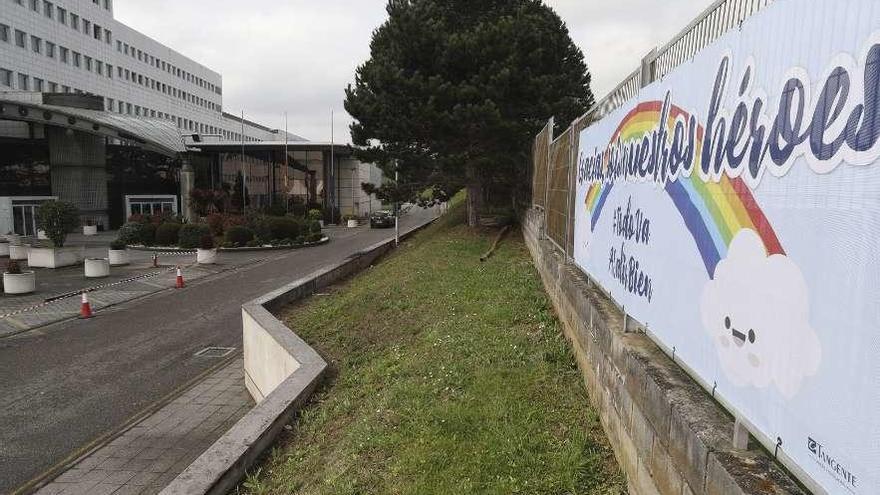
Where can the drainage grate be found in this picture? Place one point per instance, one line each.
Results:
(215, 352)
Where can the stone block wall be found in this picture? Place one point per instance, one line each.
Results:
(670, 437)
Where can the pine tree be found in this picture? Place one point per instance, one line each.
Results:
(455, 90)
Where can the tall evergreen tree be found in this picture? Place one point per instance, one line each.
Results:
(455, 90)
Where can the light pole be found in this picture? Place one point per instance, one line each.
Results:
(396, 206)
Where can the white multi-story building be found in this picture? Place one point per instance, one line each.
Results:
(77, 46)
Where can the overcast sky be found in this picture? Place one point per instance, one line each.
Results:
(298, 55)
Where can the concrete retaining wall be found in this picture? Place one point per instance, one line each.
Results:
(668, 434)
(281, 372)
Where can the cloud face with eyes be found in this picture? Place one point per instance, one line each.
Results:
(757, 312)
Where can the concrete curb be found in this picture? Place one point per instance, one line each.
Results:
(175, 250)
(219, 469)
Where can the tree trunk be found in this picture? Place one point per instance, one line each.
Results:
(474, 203)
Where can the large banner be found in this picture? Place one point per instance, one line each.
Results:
(734, 209)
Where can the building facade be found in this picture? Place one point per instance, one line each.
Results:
(97, 114)
(77, 46)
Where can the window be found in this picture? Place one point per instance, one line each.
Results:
(65, 89)
(118, 46)
(87, 27)
(20, 38)
(96, 32)
(76, 59)
(4, 33)
(74, 21)
(6, 78)
(62, 15)
(48, 9)
(107, 4)
(108, 36)
(126, 49)
(63, 53)
(38, 84)
(36, 44)
(119, 71)
(109, 71)
(88, 63)
(99, 67)
(35, 5)
(50, 49)
(23, 82)
(53, 87)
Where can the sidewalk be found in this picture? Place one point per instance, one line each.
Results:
(145, 458)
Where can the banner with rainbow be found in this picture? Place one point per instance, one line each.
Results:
(733, 208)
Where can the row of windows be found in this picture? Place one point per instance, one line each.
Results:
(142, 56)
(26, 83)
(51, 50)
(74, 21)
(40, 46)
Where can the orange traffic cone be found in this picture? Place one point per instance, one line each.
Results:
(85, 310)
(180, 284)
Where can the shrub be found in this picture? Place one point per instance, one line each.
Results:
(283, 227)
(315, 215)
(13, 268)
(314, 237)
(148, 234)
(57, 219)
(239, 236)
(167, 234)
(259, 225)
(300, 240)
(230, 221)
(315, 227)
(287, 242)
(118, 245)
(191, 234)
(207, 242)
(216, 223)
(278, 209)
(130, 233)
(254, 243)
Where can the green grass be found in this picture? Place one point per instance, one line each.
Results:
(449, 376)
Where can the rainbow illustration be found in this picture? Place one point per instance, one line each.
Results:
(713, 212)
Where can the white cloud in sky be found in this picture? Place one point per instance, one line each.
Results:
(299, 55)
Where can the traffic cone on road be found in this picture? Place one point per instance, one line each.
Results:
(180, 284)
(85, 310)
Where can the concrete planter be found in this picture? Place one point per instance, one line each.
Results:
(90, 230)
(352, 224)
(118, 257)
(206, 256)
(19, 283)
(14, 239)
(52, 257)
(4, 249)
(97, 267)
(41, 235)
(18, 252)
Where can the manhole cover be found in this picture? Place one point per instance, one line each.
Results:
(215, 352)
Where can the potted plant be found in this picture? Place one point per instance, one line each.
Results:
(117, 254)
(351, 221)
(316, 215)
(206, 254)
(16, 281)
(90, 228)
(57, 218)
(42, 235)
(97, 267)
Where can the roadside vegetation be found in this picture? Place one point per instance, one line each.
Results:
(449, 376)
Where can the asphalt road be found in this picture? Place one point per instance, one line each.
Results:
(66, 385)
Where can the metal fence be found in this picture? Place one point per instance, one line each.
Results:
(558, 182)
(554, 159)
(540, 160)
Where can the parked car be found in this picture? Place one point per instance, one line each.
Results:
(381, 219)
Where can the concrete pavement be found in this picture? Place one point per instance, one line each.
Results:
(67, 385)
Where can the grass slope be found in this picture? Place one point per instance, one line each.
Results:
(450, 376)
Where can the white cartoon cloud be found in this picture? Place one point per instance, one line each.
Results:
(757, 311)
